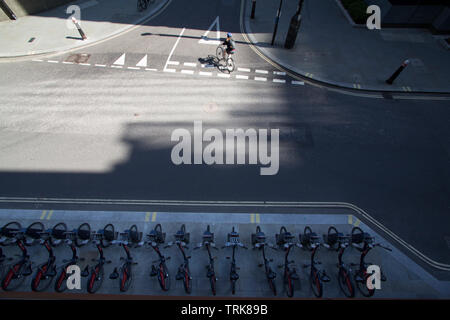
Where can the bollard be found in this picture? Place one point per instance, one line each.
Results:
(294, 27)
(253, 9)
(397, 72)
(7, 10)
(277, 19)
(79, 28)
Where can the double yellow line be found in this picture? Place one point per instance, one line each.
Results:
(44, 213)
(350, 221)
(147, 217)
(254, 218)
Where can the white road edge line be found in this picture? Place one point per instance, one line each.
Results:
(260, 79)
(202, 73)
(38, 60)
(85, 64)
(190, 64)
(169, 70)
(279, 80)
(134, 68)
(173, 49)
(149, 69)
(52, 61)
(223, 75)
(175, 63)
(67, 62)
(298, 82)
(244, 69)
(100, 65)
(187, 71)
(262, 71)
(118, 67)
(242, 77)
(279, 73)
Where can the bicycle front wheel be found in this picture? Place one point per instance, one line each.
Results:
(14, 277)
(212, 280)
(125, 278)
(289, 286)
(41, 281)
(187, 283)
(220, 53)
(163, 277)
(345, 283)
(362, 286)
(233, 286)
(272, 286)
(61, 284)
(316, 283)
(96, 280)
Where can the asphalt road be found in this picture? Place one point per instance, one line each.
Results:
(97, 131)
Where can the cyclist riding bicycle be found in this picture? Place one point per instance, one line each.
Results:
(229, 42)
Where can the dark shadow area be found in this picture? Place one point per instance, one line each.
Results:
(74, 38)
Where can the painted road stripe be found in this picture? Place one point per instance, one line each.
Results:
(85, 64)
(38, 60)
(100, 65)
(50, 215)
(154, 217)
(134, 68)
(175, 63)
(223, 75)
(43, 214)
(298, 82)
(118, 67)
(252, 218)
(173, 49)
(241, 77)
(190, 64)
(357, 222)
(52, 61)
(260, 79)
(187, 71)
(279, 80)
(169, 70)
(202, 73)
(67, 62)
(149, 69)
(121, 60)
(350, 219)
(147, 217)
(279, 73)
(262, 71)
(244, 69)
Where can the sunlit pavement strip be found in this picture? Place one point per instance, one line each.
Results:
(190, 72)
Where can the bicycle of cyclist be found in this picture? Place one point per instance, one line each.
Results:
(285, 240)
(157, 237)
(259, 242)
(13, 233)
(233, 242)
(181, 240)
(130, 238)
(225, 53)
(335, 240)
(311, 241)
(102, 238)
(361, 275)
(47, 271)
(61, 280)
(208, 243)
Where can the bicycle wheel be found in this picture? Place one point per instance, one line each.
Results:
(108, 235)
(233, 286)
(96, 279)
(8, 231)
(273, 287)
(125, 277)
(187, 282)
(289, 286)
(83, 233)
(230, 65)
(41, 281)
(60, 283)
(345, 283)
(14, 278)
(58, 233)
(32, 232)
(316, 283)
(220, 53)
(212, 281)
(362, 286)
(163, 277)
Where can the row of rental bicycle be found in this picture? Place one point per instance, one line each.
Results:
(13, 275)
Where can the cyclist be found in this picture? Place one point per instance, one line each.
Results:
(229, 42)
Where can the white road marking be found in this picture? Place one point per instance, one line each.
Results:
(38, 60)
(206, 40)
(262, 71)
(173, 49)
(190, 64)
(169, 70)
(187, 71)
(100, 65)
(149, 69)
(260, 79)
(298, 82)
(202, 73)
(244, 69)
(223, 75)
(134, 68)
(279, 80)
(175, 63)
(52, 61)
(118, 67)
(85, 64)
(143, 62)
(121, 60)
(67, 62)
(242, 77)
(279, 73)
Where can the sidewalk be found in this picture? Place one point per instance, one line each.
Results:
(53, 31)
(330, 50)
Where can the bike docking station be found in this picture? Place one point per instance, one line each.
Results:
(290, 255)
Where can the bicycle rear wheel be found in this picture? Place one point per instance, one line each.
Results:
(233, 286)
(187, 282)
(362, 287)
(163, 277)
(272, 286)
(60, 283)
(316, 283)
(96, 279)
(14, 277)
(40, 281)
(125, 278)
(289, 286)
(212, 281)
(345, 283)
(220, 52)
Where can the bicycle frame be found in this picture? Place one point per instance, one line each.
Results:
(45, 270)
(162, 272)
(208, 242)
(97, 269)
(17, 270)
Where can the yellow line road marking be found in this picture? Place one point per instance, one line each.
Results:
(154, 217)
(257, 218)
(350, 219)
(147, 216)
(252, 218)
(50, 215)
(43, 214)
(357, 222)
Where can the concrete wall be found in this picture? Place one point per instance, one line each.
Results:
(26, 7)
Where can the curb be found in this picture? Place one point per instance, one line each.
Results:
(306, 75)
(152, 13)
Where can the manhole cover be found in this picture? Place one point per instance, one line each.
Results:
(78, 58)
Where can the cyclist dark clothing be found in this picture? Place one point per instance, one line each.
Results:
(230, 45)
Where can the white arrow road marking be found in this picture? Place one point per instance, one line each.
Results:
(143, 62)
(206, 40)
(121, 60)
(173, 49)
